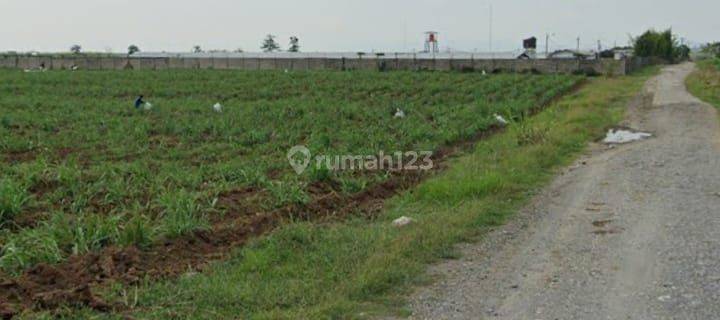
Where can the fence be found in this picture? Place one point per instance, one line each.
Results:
(599, 66)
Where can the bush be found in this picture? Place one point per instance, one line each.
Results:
(660, 45)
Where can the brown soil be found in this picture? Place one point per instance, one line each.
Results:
(601, 223)
(20, 157)
(64, 153)
(72, 282)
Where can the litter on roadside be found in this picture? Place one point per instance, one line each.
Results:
(402, 222)
(621, 136)
(501, 120)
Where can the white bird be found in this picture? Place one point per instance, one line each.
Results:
(484, 73)
(218, 107)
(501, 120)
(147, 106)
(399, 114)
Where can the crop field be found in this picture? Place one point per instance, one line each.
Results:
(83, 170)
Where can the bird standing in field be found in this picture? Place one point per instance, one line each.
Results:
(218, 107)
(399, 114)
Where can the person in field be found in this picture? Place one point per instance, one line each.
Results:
(139, 102)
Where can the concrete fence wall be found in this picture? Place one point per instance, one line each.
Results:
(602, 66)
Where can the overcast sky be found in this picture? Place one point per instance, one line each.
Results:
(341, 25)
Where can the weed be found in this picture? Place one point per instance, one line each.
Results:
(139, 231)
(13, 197)
(532, 134)
(181, 214)
(27, 248)
(704, 83)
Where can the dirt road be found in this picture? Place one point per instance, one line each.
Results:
(631, 232)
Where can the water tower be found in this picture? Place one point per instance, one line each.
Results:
(431, 42)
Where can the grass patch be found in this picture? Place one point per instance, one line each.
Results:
(704, 83)
(359, 268)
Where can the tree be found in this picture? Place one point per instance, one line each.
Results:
(269, 44)
(712, 49)
(294, 44)
(682, 53)
(133, 49)
(197, 49)
(657, 44)
(75, 49)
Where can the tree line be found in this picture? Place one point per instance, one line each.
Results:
(269, 44)
(712, 48)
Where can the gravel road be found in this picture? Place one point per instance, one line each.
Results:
(630, 232)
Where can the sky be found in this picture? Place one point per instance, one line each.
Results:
(342, 25)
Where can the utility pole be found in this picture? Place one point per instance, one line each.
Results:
(547, 45)
(578, 44)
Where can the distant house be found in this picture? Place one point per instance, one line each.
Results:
(530, 43)
(622, 53)
(527, 55)
(570, 54)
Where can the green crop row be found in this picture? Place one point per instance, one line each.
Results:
(82, 168)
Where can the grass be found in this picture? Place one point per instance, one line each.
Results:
(704, 83)
(359, 268)
(76, 155)
(12, 199)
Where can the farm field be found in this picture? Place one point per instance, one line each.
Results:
(361, 268)
(85, 172)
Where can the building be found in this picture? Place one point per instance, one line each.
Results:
(530, 43)
(571, 54)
